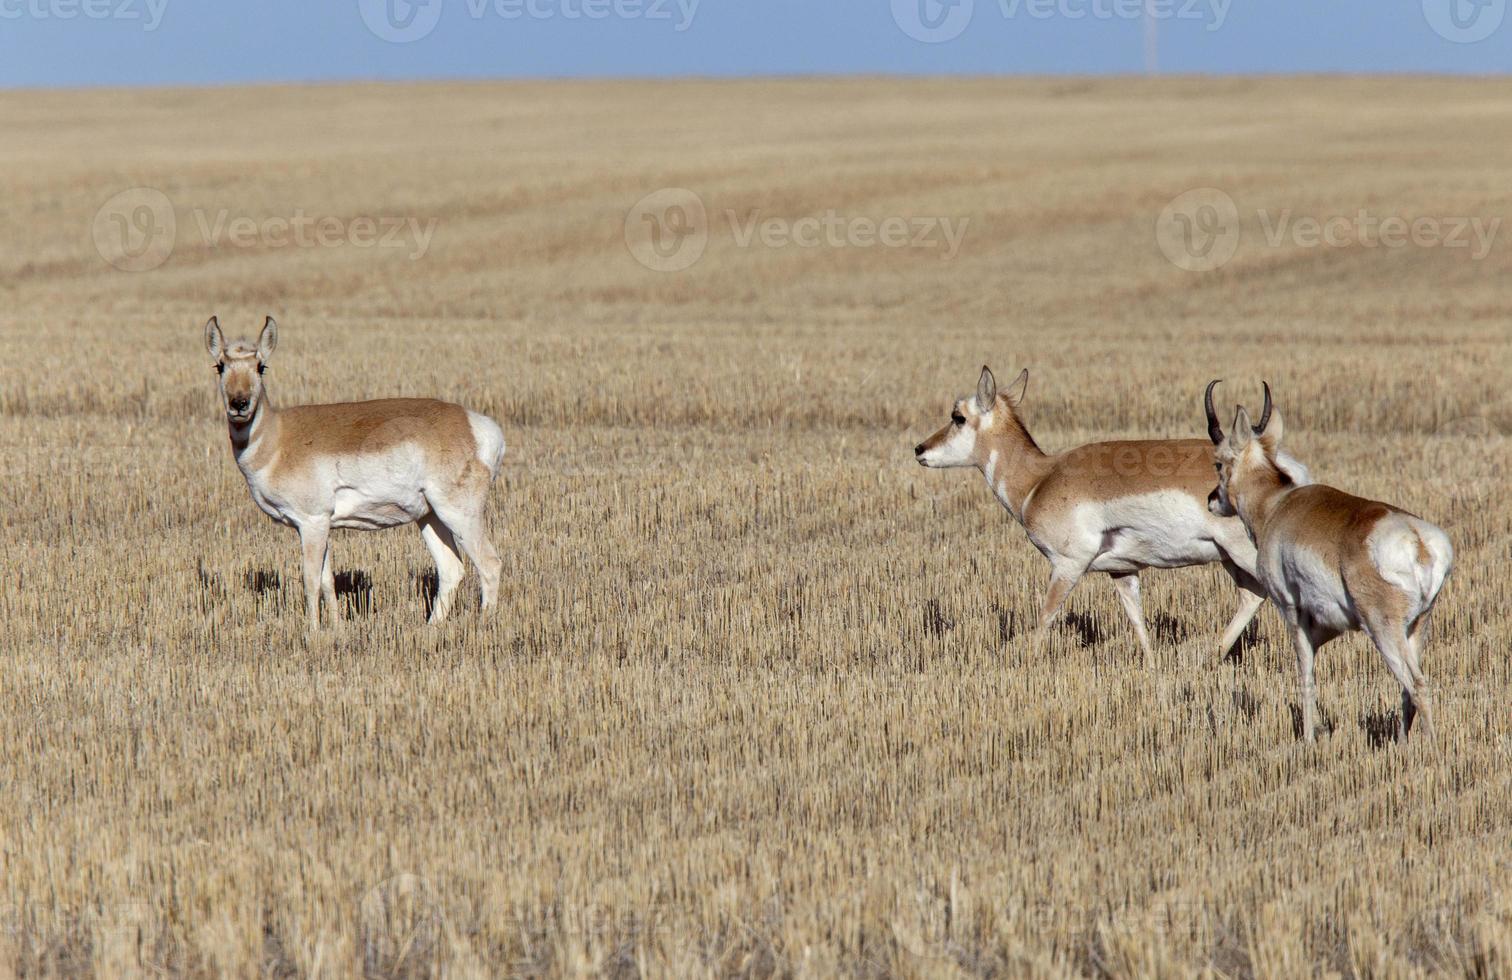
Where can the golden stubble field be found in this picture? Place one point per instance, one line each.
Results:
(760, 697)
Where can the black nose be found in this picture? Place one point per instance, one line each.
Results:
(240, 404)
(919, 449)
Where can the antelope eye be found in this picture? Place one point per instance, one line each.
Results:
(220, 369)
(958, 419)
(261, 368)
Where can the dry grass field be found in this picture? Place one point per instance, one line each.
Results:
(760, 697)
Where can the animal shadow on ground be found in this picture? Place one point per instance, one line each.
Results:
(1326, 724)
(1167, 630)
(935, 621)
(1246, 705)
(1380, 727)
(354, 591)
(1248, 639)
(1088, 632)
(427, 585)
(263, 582)
(1009, 625)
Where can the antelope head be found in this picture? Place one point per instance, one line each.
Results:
(240, 367)
(1248, 448)
(971, 419)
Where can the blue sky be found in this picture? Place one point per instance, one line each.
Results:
(162, 42)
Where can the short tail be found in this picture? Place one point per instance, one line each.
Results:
(489, 439)
(1435, 559)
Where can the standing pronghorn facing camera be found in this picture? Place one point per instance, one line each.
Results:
(1332, 562)
(1114, 507)
(362, 465)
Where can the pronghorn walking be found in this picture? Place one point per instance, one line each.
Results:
(362, 465)
(1114, 507)
(1332, 562)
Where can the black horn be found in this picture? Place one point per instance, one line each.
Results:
(1215, 431)
(1265, 413)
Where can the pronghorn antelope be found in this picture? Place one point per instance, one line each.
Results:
(361, 465)
(1114, 507)
(1332, 562)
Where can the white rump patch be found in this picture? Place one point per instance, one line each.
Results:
(1393, 546)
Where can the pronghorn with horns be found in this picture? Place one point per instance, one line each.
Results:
(361, 465)
(1332, 562)
(1112, 507)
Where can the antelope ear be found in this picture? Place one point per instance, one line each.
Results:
(215, 341)
(1019, 388)
(267, 341)
(1241, 433)
(986, 396)
(1271, 437)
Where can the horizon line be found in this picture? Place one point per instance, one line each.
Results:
(692, 78)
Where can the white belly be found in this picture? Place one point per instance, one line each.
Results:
(365, 492)
(378, 491)
(361, 511)
(1167, 529)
